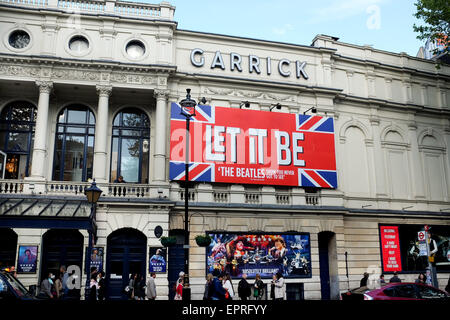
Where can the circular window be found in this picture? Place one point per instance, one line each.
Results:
(78, 44)
(135, 49)
(19, 39)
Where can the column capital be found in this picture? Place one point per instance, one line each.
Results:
(161, 94)
(44, 86)
(103, 90)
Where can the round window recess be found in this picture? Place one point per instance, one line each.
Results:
(135, 49)
(79, 44)
(19, 39)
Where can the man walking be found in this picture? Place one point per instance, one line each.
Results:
(244, 290)
(218, 292)
(363, 282)
(65, 276)
(151, 287)
(395, 278)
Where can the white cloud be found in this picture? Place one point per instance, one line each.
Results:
(341, 9)
(282, 30)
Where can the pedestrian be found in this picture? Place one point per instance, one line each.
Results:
(46, 287)
(363, 282)
(131, 287)
(207, 292)
(179, 286)
(65, 277)
(272, 287)
(382, 281)
(244, 289)
(218, 292)
(93, 288)
(422, 278)
(280, 287)
(151, 287)
(228, 285)
(395, 278)
(138, 287)
(102, 286)
(58, 286)
(258, 286)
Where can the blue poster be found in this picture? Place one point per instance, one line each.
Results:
(157, 261)
(265, 254)
(27, 259)
(96, 258)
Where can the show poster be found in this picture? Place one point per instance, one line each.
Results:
(390, 246)
(27, 259)
(158, 258)
(265, 254)
(232, 145)
(96, 258)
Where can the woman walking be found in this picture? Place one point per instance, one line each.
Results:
(207, 293)
(279, 287)
(258, 287)
(228, 285)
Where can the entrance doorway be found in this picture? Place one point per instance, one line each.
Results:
(126, 254)
(8, 247)
(176, 261)
(61, 247)
(329, 280)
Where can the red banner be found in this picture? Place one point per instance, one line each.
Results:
(231, 145)
(390, 247)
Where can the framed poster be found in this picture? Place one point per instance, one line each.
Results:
(96, 258)
(390, 248)
(27, 259)
(254, 147)
(158, 258)
(412, 251)
(263, 253)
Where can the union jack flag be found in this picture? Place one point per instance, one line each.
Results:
(314, 123)
(317, 178)
(203, 113)
(203, 172)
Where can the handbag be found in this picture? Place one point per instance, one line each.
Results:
(256, 293)
(227, 295)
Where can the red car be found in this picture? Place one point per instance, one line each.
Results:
(397, 291)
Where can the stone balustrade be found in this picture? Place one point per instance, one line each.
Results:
(110, 7)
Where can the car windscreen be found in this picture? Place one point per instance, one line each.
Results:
(18, 288)
(427, 292)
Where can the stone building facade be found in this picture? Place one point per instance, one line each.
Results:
(104, 60)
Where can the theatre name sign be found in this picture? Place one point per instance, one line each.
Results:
(231, 145)
(255, 64)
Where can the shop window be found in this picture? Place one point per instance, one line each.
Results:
(74, 144)
(130, 146)
(17, 124)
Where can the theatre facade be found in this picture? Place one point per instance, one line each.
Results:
(92, 90)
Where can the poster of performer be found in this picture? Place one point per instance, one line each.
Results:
(158, 260)
(96, 258)
(266, 254)
(27, 259)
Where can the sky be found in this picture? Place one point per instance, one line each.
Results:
(384, 24)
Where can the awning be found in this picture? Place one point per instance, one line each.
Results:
(47, 213)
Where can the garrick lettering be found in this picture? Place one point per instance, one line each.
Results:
(255, 64)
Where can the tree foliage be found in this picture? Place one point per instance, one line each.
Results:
(436, 17)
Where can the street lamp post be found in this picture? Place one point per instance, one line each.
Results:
(93, 194)
(187, 110)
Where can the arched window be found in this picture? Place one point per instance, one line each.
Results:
(130, 146)
(17, 122)
(74, 144)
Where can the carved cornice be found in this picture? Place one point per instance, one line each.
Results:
(249, 94)
(44, 86)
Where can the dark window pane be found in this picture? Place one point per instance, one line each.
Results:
(134, 133)
(130, 160)
(131, 120)
(117, 120)
(73, 158)
(114, 158)
(91, 118)
(21, 113)
(406, 291)
(75, 130)
(76, 116)
(430, 293)
(145, 160)
(18, 142)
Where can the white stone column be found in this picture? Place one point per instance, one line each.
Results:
(380, 181)
(40, 135)
(101, 133)
(159, 156)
